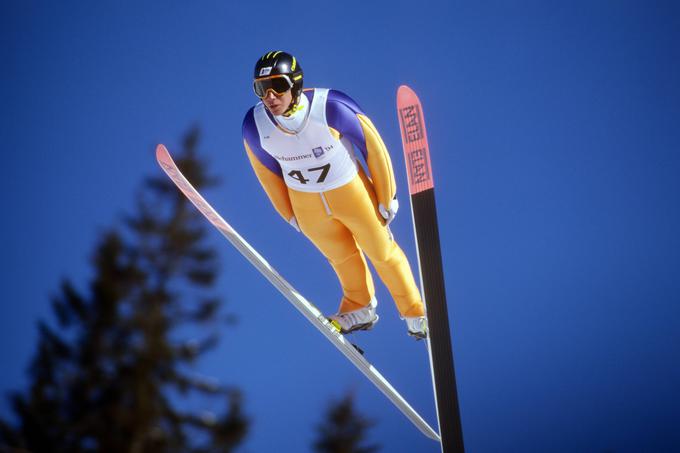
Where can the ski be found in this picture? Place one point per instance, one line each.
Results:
(313, 315)
(423, 209)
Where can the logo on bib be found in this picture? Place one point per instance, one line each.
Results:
(318, 152)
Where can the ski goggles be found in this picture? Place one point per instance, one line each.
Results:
(278, 84)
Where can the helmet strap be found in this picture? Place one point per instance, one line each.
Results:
(295, 102)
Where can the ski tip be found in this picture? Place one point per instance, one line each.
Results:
(163, 155)
(161, 149)
(406, 94)
(403, 89)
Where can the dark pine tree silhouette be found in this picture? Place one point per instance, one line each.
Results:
(344, 430)
(113, 376)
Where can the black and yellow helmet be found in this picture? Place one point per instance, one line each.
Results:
(283, 65)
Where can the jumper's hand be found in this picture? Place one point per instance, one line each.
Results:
(390, 212)
(293, 222)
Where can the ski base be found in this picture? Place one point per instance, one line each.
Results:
(421, 189)
(313, 315)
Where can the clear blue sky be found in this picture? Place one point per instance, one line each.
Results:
(556, 146)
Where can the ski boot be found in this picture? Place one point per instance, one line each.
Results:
(361, 319)
(417, 327)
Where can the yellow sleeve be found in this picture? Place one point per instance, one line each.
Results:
(379, 163)
(273, 185)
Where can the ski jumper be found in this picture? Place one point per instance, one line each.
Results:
(307, 165)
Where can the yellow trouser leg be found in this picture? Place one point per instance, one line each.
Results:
(355, 206)
(355, 219)
(337, 244)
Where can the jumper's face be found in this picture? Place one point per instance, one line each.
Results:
(277, 103)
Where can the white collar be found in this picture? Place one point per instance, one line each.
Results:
(296, 121)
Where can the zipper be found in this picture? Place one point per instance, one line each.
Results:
(325, 203)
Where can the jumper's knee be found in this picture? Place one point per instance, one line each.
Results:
(388, 257)
(344, 259)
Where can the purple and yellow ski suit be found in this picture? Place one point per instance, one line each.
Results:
(307, 165)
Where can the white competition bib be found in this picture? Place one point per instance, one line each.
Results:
(312, 159)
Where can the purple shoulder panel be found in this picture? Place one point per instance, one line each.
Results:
(341, 115)
(251, 136)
